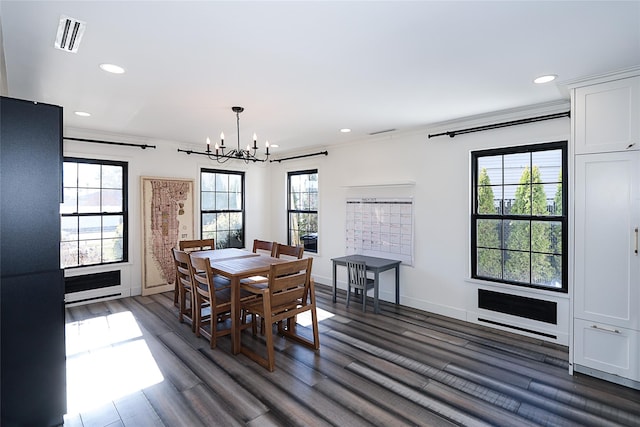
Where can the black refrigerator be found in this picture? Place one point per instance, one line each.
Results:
(32, 338)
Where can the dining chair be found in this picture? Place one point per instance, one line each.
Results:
(289, 252)
(186, 297)
(264, 247)
(357, 279)
(197, 245)
(214, 292)
(191, 246)
(289, 292)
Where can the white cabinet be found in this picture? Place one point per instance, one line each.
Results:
(607, 267)
(606, 214)
(606, 116)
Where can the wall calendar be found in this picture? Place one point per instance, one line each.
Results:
(381, 227)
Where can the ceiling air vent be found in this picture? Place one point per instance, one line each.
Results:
(382, 131)
(70, 33)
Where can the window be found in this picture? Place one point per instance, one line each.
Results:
(518, 221)
(94, 213)
(222, 207)
(302, 209)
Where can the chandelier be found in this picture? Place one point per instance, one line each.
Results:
(249, 155)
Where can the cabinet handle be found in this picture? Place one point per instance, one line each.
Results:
(631, 145)
(636, 249)
(615, 331)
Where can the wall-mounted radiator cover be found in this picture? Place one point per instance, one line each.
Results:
(515, 305)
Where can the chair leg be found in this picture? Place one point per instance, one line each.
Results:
(348, 294)
(364, 300)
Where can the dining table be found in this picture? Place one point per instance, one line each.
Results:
(236, 265)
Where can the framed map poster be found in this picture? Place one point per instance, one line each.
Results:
(380, 227)
(167, 218)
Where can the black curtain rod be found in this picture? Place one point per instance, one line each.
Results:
(143, 146)
(453, 133)
(320, 153)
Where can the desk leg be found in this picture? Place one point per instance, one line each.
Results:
(236, 322)
(397, 284)
(335, 284)
(376, 291)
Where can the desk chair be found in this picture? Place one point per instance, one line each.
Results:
(357, 278)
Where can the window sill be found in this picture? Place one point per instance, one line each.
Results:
(518, 290)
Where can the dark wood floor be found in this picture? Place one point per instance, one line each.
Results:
(401, 367)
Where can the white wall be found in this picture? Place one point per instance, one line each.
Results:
(440, 167)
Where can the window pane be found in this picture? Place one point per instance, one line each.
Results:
(222, 182)
(235, 201)
(222, 201)
(89, 200)
(111, 200)
(88, 175)
(492, 165)
(111, 176)
(112, 227)
(235, 183)
(69, 254)
(549, 163)
(90, 252)
(70, 204)
(90, 227)
(208, 182)
(488, 233)
(208, 201)
(517, 266)
(69, 226)
(489, 263)
(514, 166)
(546, 270)
(489, 199)
(517, 235)
(112, 250)
(70, 174)
(541, 240)
(517, 200)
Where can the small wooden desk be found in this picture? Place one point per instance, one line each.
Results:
(377, 265)
(236, 269)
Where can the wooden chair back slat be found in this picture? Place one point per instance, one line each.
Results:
(265, 247)
(288, 251)
(197, 245)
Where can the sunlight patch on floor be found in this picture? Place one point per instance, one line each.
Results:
(107, 358)
(304, 319)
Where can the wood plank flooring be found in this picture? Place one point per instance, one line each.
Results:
(400, 367)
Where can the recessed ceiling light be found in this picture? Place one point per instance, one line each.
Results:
(112, 68)
(345, 130)
(82, 113)
(545, 79)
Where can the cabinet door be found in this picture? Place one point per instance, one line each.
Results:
(606, 116)
(607, 266)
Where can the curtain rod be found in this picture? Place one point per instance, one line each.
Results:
(97, 141)
(453, 133)
(320, 153)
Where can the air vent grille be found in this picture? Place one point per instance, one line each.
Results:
(70, 32)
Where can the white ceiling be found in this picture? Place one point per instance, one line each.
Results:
(304, 69)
